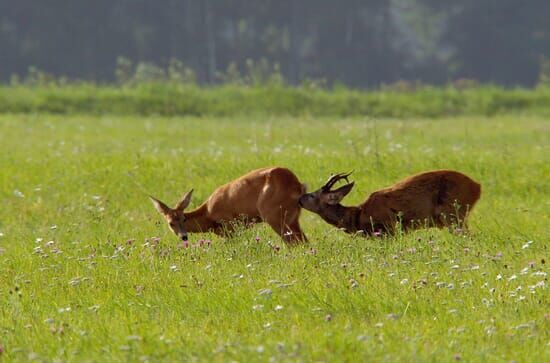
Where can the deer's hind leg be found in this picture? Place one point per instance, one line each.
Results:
(453, 218)
(285, 223)
(297, 235)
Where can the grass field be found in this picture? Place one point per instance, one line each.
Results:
(89, 273)
(176, 99)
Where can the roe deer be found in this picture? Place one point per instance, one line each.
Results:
(437, 198)
(269, 194)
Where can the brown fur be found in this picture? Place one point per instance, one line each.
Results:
(439, 198)
(269, 194)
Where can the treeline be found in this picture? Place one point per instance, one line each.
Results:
(359, 43)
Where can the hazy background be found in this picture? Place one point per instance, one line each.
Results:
(357, 43)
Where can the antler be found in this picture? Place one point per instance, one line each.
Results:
(333, 179)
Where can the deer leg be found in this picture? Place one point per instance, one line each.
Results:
(290, 234)
(297, 233)
(446, 220)
(454, 224)
(285, 223)
(293, 224)
(276, 224)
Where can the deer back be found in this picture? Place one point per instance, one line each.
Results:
(244, 195)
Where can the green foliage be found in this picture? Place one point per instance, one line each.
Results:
(544, 76)
(89, 272)
(176, 94)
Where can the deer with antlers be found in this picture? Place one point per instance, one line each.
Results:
(270, 195)
(439, 198)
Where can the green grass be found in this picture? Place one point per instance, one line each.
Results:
(176, 99)
(105, 290)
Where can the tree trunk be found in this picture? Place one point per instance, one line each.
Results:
(210, 41)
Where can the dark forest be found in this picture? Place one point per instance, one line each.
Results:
(360, 44)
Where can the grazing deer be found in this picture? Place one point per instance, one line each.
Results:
(439, 198)
(270, 195)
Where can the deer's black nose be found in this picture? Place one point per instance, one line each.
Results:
(184, 237)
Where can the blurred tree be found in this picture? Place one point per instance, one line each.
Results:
(497, 41)
(362, 43)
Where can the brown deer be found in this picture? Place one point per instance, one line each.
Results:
(439, 198)
(270, 195)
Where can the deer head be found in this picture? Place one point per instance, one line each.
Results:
(321, 200)
(175, 217)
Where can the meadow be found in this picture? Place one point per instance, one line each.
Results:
(245, 97)
(89, 271)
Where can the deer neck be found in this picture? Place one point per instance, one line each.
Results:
(197, 220)
(346, 218)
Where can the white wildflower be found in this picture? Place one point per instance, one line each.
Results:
(524, 326)
(540, 284)
(265, 292)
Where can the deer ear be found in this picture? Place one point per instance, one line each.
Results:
(336, 196)
(184, 201)
(160, 206)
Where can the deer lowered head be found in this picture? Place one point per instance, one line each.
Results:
(175, 217)
(326, 203)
